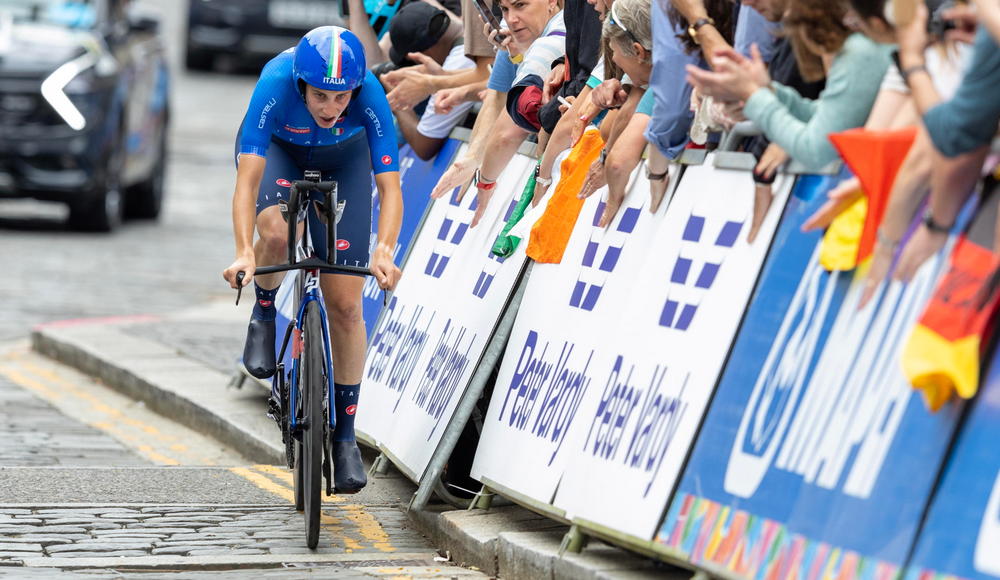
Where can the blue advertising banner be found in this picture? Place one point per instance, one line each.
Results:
(961, 536)
(418, 178)
(816, 457)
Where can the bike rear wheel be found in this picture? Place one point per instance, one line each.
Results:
(309, 464)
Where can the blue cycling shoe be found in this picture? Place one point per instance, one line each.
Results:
(349, 474)
(258, 352)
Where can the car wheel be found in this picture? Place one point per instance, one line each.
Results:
(104, 211)
(195, 59)
(145, 199)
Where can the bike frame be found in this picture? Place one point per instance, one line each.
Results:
(301, 256)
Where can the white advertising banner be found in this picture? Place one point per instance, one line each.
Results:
(556, 356)
(438, 322)
(670, 337)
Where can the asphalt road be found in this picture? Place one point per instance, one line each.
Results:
(51, 273)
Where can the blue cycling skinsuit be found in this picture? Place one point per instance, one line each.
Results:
(362, 141)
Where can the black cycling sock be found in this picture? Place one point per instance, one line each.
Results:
(346, 403)
(264, 308)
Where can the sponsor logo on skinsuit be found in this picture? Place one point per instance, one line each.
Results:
(343, 245)
(284, 182)
(386, 160)
(299, 130)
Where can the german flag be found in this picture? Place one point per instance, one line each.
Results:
(944, 350)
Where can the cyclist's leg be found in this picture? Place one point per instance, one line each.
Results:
(342, 294)
(350, 167)
(271, 248)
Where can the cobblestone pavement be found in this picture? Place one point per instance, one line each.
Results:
(199, 530)
(34, 433)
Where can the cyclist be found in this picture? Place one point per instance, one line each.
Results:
(316, 106)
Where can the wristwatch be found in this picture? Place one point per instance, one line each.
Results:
(541, 180)
(650, 176)
(932, 225)
(696, 26)
(482, 183)
(604, 155)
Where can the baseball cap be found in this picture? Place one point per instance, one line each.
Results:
(415, 27)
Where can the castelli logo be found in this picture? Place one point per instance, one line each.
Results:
(351, 409)
(386, 160)
(265, 303)
(343, 245)
(284, 183)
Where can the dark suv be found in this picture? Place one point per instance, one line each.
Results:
(250, 32)
(83, 108)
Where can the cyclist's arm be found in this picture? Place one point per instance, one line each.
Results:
(249, 172)
(390, 219)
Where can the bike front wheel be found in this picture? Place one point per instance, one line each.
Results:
(312, 393)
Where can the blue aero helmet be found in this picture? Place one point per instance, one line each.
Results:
(329, 58)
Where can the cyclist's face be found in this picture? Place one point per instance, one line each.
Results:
(326, 106)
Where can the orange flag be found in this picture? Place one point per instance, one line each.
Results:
(875, 158)
(942, 355)
(550, 234)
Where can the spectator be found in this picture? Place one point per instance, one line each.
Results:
(627, 28)
(537, 31)
(961, 129)
(494, 128)
(570, 73)
(409, 86)
(425, 33)
(676, 45)
(822, 43)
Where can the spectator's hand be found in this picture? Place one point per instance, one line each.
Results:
(580, 125)
(912, 38)
(922, 245)
(459, 174)
(966, 20)
(763, 195)
(410, 91)
(553, 81)
(569, 99)
(384, 269)
(427, 64)
(484, 196)
(596, 179)
(609, 94)
(507, 43)
(734, 78)
(447, 99)
(840, 198)
(879, 269)
(770, 161)
(246, 264)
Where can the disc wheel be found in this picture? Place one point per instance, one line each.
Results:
(309, 451)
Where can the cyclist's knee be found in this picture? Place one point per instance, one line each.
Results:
(344, 311)
(273, 231)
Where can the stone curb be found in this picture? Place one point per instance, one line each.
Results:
(507, 542)
(169, 384)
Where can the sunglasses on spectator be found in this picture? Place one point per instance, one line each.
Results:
(616, 22)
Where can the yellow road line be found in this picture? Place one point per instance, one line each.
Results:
(53, 387)
(366, 524)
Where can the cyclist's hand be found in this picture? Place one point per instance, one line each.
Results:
(384, 269)
(241, 264)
